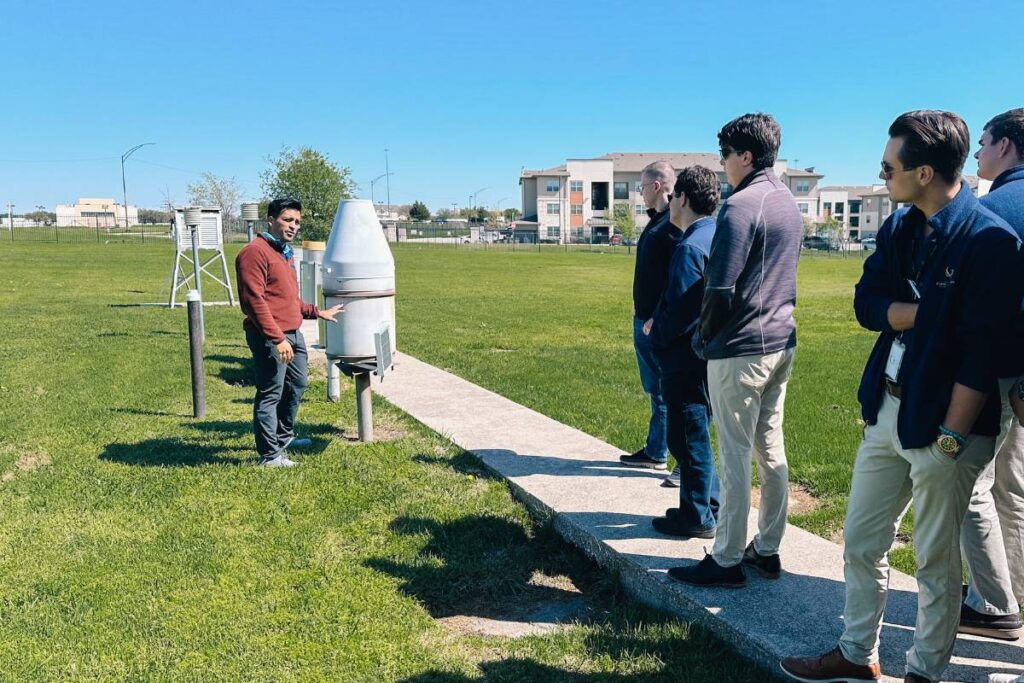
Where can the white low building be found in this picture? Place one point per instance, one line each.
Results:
(96, 212)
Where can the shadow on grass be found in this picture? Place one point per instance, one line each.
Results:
(234, 370)
(485, 566)
(150, 413)
(464, 463)
(168, 452)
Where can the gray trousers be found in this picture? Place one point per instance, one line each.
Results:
(279, 389)
(992, 537)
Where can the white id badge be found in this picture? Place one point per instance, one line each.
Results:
(892, 366)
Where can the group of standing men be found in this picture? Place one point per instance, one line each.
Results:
(715, 338)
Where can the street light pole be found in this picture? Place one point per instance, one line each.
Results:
(387, 179)
(124, 186)
(372, 182)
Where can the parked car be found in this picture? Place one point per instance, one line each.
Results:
(818, 242)
(615, 241)
(868, 242)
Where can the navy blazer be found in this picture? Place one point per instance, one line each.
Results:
(968, 298)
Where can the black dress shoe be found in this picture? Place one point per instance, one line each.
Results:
(707, 572)
(768, 566)
(671, 526)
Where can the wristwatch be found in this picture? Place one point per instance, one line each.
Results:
(949, 442)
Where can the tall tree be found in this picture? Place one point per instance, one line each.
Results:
(625, 223)
(512, 214)
(224, 193)
(312, 178)
(419, 211)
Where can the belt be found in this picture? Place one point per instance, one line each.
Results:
(895, 390)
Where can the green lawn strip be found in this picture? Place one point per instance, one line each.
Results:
(139, 544)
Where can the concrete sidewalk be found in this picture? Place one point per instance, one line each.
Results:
(605, 510)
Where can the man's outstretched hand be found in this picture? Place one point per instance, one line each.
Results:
(331, 312)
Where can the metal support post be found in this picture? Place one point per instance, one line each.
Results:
(364, 407)
(199, 285)
(195, 347)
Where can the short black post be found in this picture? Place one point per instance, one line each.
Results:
(195, 347)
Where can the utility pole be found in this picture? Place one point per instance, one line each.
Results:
(10, 216)
(124, 186)
(387, 179)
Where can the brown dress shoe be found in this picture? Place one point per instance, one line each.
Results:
(831, 667)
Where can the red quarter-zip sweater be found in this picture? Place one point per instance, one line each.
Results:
(268, 291)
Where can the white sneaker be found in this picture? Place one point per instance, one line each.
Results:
(672, 480)
(279, 461)
(1005, 678)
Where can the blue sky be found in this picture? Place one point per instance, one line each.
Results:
(464, 94)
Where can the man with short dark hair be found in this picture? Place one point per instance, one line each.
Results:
(939, 290)
(268, 293)
(748, 336)
(992, 536)
(653, 253)
(684, 375)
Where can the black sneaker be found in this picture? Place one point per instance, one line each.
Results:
(640, 459)
(998, 626)
(768, 566)
(707, 572)
(671, 526)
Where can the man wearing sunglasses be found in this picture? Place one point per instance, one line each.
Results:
(939, 289)
(992, 537)
(748, 336)
(650, 275)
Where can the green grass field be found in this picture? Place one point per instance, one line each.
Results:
(553, 331)
(140, 544)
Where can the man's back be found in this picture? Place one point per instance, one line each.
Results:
(751, 281)
(1006, 198)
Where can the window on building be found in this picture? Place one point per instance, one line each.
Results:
(638, 188)
(839, 208)
(803, 186)
(553, 232)
(885, 206)
(854, 206)
(553, 209)
(827, 208)
(576, 209)
(854, 221)
(553, 185)
(621, 191)
(803, 207)
(867, 220)
(576, 186)
(640, 209)
(726, 189)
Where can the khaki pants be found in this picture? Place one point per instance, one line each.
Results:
(886, 478)
(747, 398)
(992, 537)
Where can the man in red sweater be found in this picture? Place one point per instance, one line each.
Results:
(269, 294)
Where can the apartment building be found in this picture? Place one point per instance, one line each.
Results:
(576, 201)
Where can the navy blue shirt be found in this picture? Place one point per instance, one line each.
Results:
(1006, 200)
(677, 317)
(965, 304)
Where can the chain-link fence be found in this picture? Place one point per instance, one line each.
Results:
(234, 231)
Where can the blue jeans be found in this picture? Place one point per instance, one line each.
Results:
(689, 439)
(279, 389)
(656, 447)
